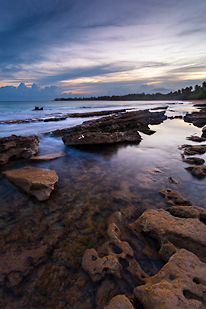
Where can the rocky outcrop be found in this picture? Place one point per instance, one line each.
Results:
(179, 284)
(17, 147)
(198, 171)
(191, 150)
(35, 181)
(86, 138)
(119, 127)
(119, 302)
(172, 197)
(173, 232)
(49, 156)
(194, 160)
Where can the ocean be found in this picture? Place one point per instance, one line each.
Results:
(94, 183)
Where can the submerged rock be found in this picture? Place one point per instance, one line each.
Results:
(179, 284)
(116, 252)
(172, 197)
(35, 181)
(17, 147)
(119, 302)
(173, 232)
(198, 171)
(49, 156)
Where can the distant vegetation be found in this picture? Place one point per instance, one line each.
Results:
(188, 93)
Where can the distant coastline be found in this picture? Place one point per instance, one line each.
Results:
(188, 93)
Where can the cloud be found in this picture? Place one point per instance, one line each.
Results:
(48, 42)
(24, 93)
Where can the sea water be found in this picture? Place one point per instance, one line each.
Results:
(94, 182)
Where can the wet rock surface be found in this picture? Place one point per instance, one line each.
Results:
(49, 156)
(172, 197)
(173, 232)
(33, 180)
(194, 160)
(198, 119)
(17, 147)
(115, 128)
(179, 284)
(198, 171)
(191, 150)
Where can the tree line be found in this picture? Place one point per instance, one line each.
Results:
(188, 93)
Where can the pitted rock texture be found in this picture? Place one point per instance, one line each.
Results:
(172, 197)
(49, 156)
(119, 302)
(198, 171)
(181, 283)
(115, 251)
(17, 147)
(188, 212)
(33, 180)
(173, 232)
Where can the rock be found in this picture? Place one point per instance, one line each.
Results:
(191, 150)
(17, 147)
(115, 251)
(35, 181)
(38, 108)
(188, 212)
(87, 138)
(197, 118)
(195, 138)
(49, 156)
(194, 160)
(172, 197)
(173, 232)
(172, 180)
(111, 129)
(204, 132)
(179, 284)
(198, 171)
(119, 302)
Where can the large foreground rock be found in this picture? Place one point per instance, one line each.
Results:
(112, 129)
(35, 181)
(173, 232)
(17, 147)
(179, 284)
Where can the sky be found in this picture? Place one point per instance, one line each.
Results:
(83, 48)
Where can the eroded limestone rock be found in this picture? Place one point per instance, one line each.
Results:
(115, 251)
(17, 147)
(35, 181)
(119, 302)
(49, 156)
(198, 171)
(173, 232)
(172, 197)
(180, 283)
